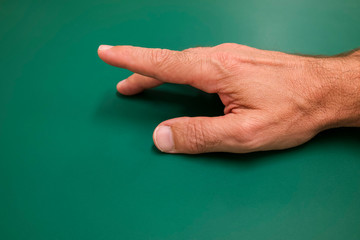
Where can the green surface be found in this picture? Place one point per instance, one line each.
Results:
(77, 161)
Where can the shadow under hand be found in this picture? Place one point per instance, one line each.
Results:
(156, 105)
(332, 140)
(190, 101)
(240, 159)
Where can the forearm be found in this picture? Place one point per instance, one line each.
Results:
(340, 76)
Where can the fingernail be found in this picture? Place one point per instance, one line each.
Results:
(104, 47)
(164, 138)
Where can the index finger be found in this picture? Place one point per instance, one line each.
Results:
(181, 67)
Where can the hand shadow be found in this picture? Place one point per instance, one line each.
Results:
(168, 101)
(156, 105)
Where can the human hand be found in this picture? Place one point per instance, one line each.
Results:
(272, 100)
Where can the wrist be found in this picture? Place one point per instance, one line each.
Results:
(339, 79)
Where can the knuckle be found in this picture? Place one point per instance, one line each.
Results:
(226, 62)
(200, 137)
(228, 45)
(222, 57)
(249, 135)
(196, 139)
(232, 46)
(186, 57)
(160, 57)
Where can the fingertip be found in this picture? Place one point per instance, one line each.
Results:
(125, 89)
(104, 48)
(120, 87)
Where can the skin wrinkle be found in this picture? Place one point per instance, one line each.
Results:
(161, 58)
(195, 136)
(272, 100)
(338, 90)
(302, 102)
(202, 65)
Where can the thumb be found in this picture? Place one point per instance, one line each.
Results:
(196, 135)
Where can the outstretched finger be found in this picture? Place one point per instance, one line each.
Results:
(181, 67)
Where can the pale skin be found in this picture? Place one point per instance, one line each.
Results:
(272, 100)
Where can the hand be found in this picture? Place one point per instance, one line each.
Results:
(272, 100)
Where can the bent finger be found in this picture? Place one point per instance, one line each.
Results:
(194, 135)
(136, 83)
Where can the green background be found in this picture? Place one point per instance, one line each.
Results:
(77, 160)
